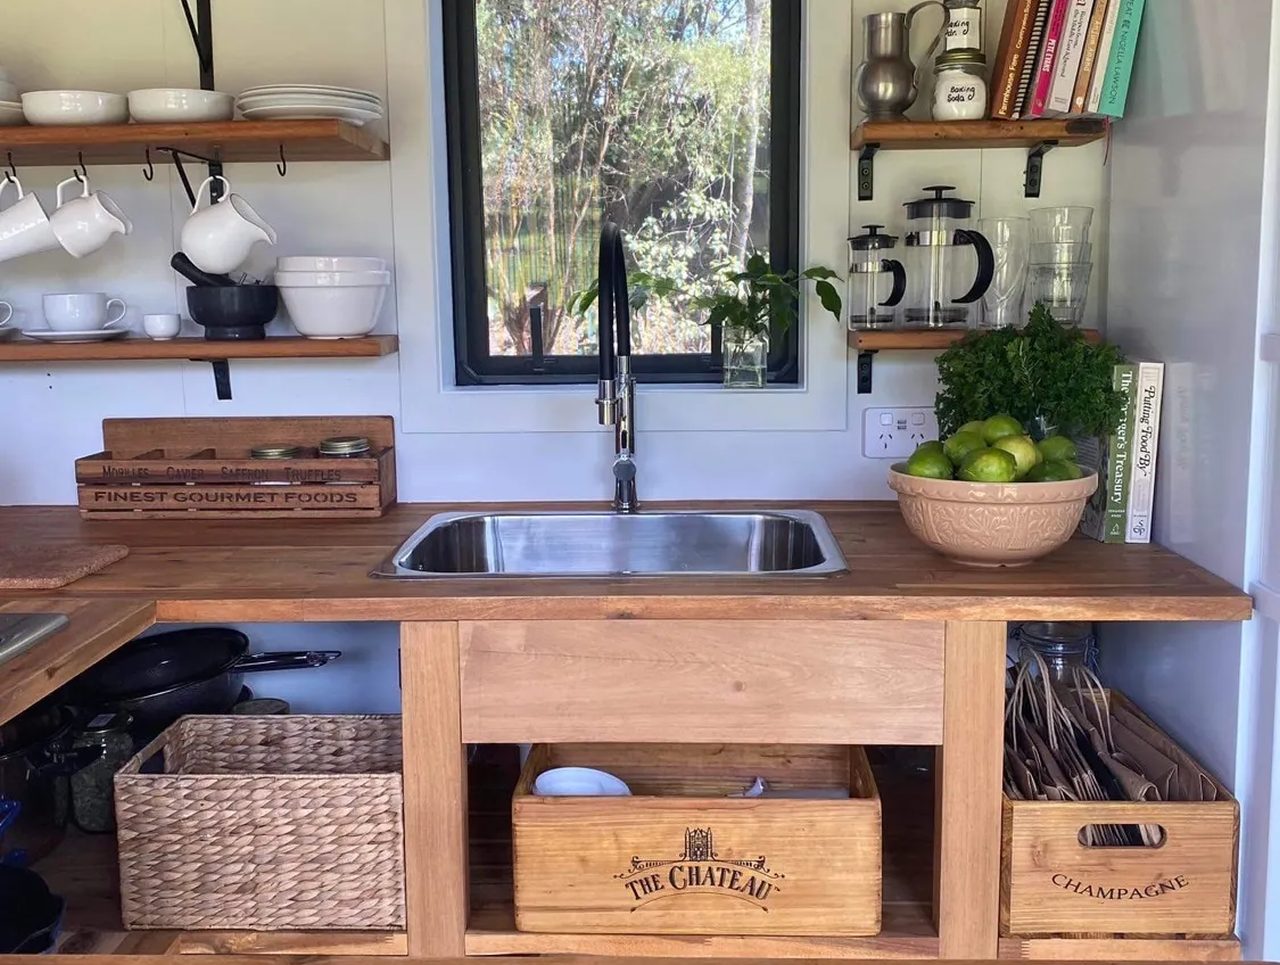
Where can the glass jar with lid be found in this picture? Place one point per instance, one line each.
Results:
(92, 786)
(1065, 647)
(960, 86)
(964, 25)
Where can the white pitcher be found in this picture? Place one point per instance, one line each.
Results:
(24, 226)
(84, 224)
(218, 238)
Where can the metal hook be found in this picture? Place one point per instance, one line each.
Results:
(82, 175)
(12, 173)
(283, 167)
(149, 172)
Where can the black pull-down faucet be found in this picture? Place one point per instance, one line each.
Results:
(616, 397)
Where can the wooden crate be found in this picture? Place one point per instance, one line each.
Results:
(201, 468)
(680, 857)
(1051, 883)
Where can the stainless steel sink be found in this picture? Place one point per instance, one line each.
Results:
(785, 543)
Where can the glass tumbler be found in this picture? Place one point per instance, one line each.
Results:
(1063, 289)
(1066, 224)
(1002, 304)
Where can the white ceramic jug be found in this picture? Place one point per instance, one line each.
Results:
(84, 224)
(24, 226)
(218, 238)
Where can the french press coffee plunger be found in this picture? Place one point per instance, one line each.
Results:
(876, 283)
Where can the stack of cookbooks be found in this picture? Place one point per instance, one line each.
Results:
(1064, 57)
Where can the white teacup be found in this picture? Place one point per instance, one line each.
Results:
(24, 226)
(218, 238)
(8, 316)
(83, 225)
(81, 311)
(162, 327)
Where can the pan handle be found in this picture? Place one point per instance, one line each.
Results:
(296, 660)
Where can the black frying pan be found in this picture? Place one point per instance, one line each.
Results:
(160, 678)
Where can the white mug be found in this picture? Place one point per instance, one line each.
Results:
(218, 238)
(162, 327)
(83, 225)
(24, 226)
(81, 311)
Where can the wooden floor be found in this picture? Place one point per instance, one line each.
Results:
(83, 869)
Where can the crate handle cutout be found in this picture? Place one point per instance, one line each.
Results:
(1154, 837)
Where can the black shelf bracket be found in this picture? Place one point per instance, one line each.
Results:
(1035, 168)
(867, 171)
(865, 357)
(221, 377)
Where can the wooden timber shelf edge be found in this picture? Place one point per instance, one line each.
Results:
(199, 349)
(924, 339)
(923, 135)
(301, 140)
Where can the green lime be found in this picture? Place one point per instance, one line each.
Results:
(989, 465)
(933, 445)
(1023, 450)
(961, 444)
(930, 463)
(999, 426)
(975, 427)
(1057, 447)
(1055, 470)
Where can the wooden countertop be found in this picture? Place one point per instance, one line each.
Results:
(312, 570)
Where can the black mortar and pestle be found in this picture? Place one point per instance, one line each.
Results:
(227, 310)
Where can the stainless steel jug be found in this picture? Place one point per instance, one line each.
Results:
(886, 82)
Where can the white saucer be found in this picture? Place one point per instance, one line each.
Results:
(94, 335)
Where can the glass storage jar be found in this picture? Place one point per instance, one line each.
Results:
(960, 86)
(964, 25)
(92, 790)
(1065, 647)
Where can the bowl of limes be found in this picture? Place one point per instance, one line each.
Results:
(990, 495)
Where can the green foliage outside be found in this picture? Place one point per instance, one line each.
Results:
(653, 113)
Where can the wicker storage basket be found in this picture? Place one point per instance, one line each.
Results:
(264, 823)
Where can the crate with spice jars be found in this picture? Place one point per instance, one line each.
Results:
(322, 467)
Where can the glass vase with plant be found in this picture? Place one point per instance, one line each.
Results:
(756, 298)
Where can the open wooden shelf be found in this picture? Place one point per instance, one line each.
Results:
(923, 135)
(317, 140)
(923, 340)
(198, 349)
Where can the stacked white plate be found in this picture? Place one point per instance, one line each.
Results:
(309, 101)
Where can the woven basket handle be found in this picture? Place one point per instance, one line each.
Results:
(134, 764)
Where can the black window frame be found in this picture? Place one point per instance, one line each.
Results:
(474, 365)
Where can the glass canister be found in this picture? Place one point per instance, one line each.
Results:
(876, 283)
(964, 25)
(1065, 647)
(960, 86)
(92, 786)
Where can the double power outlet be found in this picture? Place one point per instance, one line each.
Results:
(895, 433)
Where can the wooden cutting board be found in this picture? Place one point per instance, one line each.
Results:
(40, 566)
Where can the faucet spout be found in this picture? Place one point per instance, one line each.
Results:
(615, 398)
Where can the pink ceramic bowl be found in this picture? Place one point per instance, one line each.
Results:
(991, 524)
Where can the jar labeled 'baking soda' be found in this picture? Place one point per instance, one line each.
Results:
(960, 86)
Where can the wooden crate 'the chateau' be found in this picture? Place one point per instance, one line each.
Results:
(682, 857)
(1052, 883)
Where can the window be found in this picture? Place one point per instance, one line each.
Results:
(678, 119)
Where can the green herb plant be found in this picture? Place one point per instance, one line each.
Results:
(1043, 371)
(758, 296)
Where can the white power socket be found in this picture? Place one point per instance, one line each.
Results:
(895, 433)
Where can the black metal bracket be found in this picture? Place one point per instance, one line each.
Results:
(867, 171)
(1035, 168)
(221, 377)
(865, 357)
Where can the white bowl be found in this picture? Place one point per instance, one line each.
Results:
(61, 107)
(161, 104)
(329, 263)
(332, 279)
(334, 312)
(579, 782)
